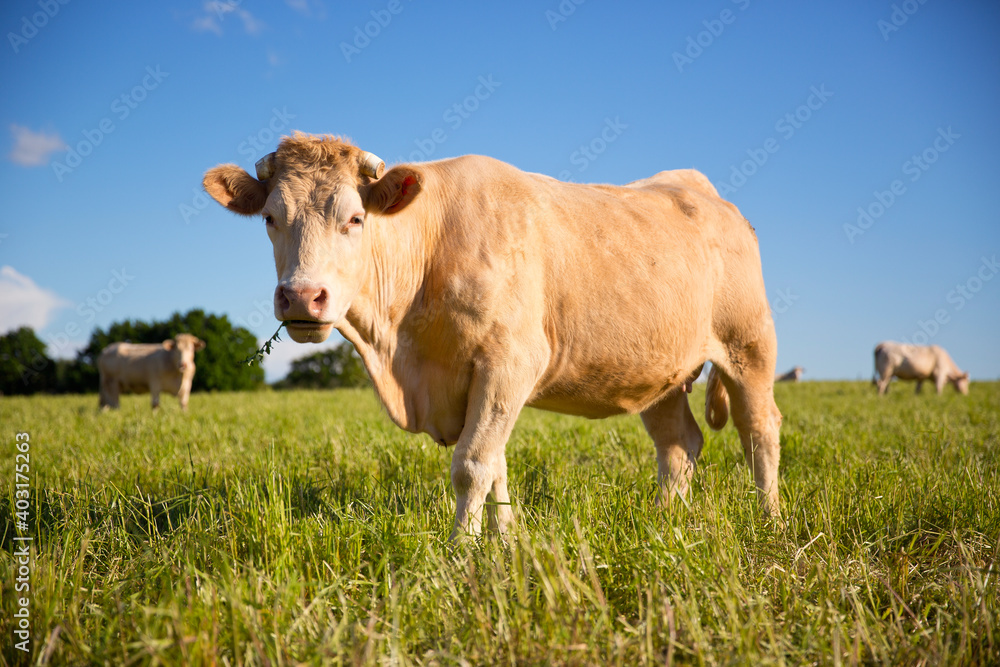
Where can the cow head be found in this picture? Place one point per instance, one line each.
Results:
(182, 348)
(315, 195)
(962, 383)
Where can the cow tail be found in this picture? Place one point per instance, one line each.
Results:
(716, 401)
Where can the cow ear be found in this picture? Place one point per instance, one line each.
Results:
(235, 189)
(168, 344)
(200, 345)
(393, 192)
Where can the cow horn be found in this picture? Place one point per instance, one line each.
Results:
(265, 167)
(372, 165)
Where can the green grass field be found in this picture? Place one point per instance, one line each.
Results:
(303, 527)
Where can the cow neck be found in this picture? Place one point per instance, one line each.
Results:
(399, 248)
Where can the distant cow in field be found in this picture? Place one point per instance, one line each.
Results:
(471, 289)
(791, 376)
(128, 368)
(917, 362)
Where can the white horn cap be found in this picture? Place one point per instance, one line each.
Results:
(265, 167)
(372, 165)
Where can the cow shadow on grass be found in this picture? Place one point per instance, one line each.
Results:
(145, 514)
(150, 511)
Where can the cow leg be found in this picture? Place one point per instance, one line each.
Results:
(109, 393)
(940, 380)
(479, 466)
(102, 390)
(154, 395)
(883, 384)
(185, 393)
(678, 442)
(499, 515)
(115, 394)
(756, 417)
(920, 385)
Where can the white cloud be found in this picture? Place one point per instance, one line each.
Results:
(207, 24)
(32, 149)
(215, 13)
(308, 8)
(23, 303)
(65, 350)
(250, 24)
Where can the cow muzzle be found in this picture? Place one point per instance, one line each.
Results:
(303, 309)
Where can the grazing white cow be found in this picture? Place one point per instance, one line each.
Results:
(471, 289)
(917, 362)
(793, 375)
(129, 368)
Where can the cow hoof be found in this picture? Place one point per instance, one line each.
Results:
(460, 537)
(668, 499)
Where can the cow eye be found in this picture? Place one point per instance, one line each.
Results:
(357, 220)
(268, 220)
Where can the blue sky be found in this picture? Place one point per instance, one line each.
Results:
(859, 138)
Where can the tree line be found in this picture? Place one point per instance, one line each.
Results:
(26, 368)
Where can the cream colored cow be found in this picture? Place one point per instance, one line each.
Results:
(129, 368)
(471, 289)
(917, 362)
(793, 375)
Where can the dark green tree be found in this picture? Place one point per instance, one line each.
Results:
(327, 369)
(74, 376)
(25, 368)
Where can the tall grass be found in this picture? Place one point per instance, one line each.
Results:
(303, 527)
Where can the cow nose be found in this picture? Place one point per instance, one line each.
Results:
(302, 303)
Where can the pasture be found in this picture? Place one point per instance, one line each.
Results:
(278, 528)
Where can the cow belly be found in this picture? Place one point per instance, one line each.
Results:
(622, 377)
(623, 372)
(602, 395)
(906, 370)
(170, 384)
(578, 407)
(133, 387)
